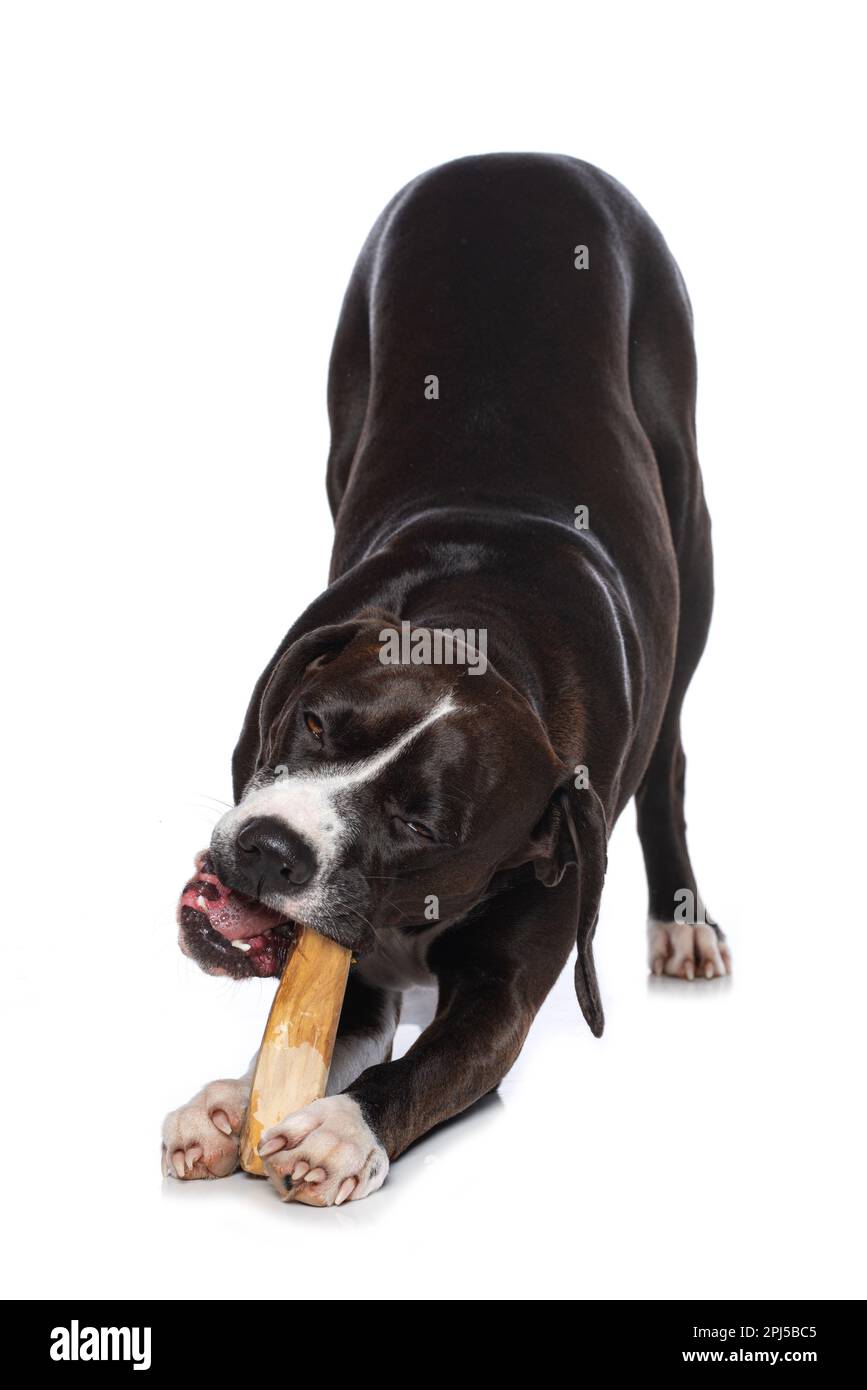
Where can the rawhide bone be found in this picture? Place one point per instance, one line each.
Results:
(295, 1056)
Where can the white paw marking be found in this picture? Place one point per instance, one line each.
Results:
(325, 1154)
(201, 1138)
(688, 953)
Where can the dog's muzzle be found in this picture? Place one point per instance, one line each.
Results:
(230, 932)
(273, 857)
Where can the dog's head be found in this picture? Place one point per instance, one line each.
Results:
(376, 797)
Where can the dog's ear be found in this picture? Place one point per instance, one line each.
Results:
(307, 653)
(572, 836)
(290, 664)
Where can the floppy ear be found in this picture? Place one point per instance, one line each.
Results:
(288, 666)
(307, 653)
(573, 832)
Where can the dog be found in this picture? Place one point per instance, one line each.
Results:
(511, 398)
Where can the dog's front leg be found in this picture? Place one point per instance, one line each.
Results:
(494, 974)
(202, 1138)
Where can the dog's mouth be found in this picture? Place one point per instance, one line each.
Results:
(227, 932)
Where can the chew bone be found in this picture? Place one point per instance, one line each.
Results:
(292, 1067)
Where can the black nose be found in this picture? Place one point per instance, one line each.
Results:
(273, 855)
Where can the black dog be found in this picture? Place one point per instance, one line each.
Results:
(520, 590)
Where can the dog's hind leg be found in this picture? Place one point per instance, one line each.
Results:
(682, 940)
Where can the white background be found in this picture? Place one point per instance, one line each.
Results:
(185, 189)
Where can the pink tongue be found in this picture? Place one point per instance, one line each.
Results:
(235, 917)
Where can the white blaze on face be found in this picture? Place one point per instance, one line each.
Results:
(307, 802)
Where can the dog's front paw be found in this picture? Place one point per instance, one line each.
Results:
(201, 1139)
(676, 948)
(325, 1154)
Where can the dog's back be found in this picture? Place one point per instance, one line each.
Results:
(565, 378)
(562, 375)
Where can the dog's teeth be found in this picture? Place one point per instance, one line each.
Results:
(241, 945)
(201, 901)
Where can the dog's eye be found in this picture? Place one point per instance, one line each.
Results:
(314, 725)
(424, 831)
